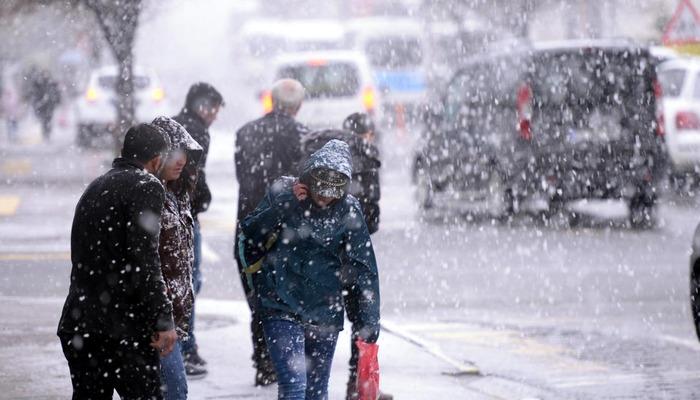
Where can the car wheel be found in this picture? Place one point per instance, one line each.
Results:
(501, 201)
(424, 189)
(642, 213)
(84, 136)
(559, 216)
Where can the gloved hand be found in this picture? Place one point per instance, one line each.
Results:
(369, 334)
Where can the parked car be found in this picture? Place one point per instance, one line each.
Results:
(337, 83)
(95, 111)
(680, 83)
(551, 123)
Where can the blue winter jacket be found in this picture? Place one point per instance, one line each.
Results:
(300, 276)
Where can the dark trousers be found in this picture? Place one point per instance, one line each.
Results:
(261, 356)
(100, 365)
(351, 298)
(190, 345)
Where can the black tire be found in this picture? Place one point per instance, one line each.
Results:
(83, 136)
(424, 189)
(642, 213)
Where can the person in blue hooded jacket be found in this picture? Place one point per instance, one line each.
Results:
(317, 227)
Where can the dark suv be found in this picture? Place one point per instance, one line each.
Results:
(549, 124)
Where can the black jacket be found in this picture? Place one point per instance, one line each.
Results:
(201, 198)
(116, 288)
(365, 169)
(266, 149)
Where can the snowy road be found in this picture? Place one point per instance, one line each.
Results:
(595, 312)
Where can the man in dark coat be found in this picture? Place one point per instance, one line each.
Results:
(44, 94)
(117, 317)
(266, 149)
(201, 108)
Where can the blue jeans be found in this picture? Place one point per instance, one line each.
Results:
(190, 344)
(302, 356)
(172, 375)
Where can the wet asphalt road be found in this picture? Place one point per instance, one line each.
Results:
(599, 311)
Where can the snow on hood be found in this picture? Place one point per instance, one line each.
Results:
(179, 137)
(334, 155)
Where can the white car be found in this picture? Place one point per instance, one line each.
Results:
(337, 83)
(95, 111)
(680, 86)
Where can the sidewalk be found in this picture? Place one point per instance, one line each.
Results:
(34, 367)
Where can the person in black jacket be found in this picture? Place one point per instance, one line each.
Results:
(266, 149)
(201, 108)
(117, 317)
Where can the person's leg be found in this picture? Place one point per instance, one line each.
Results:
(138, 374)
(319, 349)
(285, 341)
(264, 369)
(189, 346)
(87, 359)
(172, 374)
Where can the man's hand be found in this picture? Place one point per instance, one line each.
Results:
(164, 342)
(301, 191)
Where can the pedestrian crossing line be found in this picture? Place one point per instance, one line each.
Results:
(9, 205)
(16, 167)
(36, 256)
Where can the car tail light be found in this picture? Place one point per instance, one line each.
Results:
(524, 108)
(368, 99)
(660, 120)
(266, 98)
(157, 94)
(91, 94)
(317, 62)
(687, 120)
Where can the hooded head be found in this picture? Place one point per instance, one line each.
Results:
(180, 139)
(328, 171)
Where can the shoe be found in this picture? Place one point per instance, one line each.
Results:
(265, 378)
(385, 396)
(194, 372)
(194, 358)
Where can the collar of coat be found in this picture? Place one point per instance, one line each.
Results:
(121, 162)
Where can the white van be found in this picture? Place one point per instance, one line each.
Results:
(337, 83)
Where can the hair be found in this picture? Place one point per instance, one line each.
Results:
(143, 142)
(203, 90)
(287, 95)
(359, 123)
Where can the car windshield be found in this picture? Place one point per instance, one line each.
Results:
(394, 52)
(324, 80)
(672, 82)
(109, 81)
(581, 79)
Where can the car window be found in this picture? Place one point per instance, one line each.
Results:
(671, 81)
(582, 79)
(324, 80)
(394, 52)
(109, 81)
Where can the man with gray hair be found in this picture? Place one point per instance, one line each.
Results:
(266, 149)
